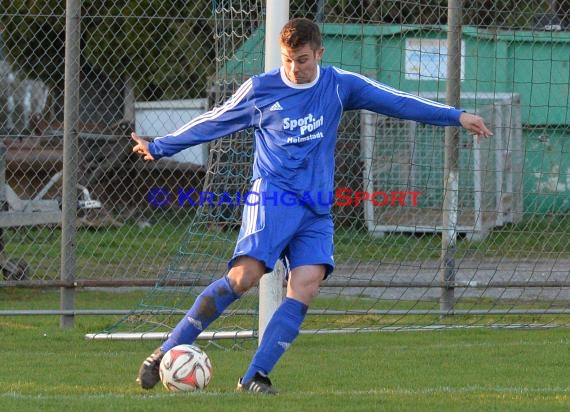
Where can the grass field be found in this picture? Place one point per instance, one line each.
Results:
(46, 368)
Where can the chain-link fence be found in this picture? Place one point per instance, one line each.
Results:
(151, 66)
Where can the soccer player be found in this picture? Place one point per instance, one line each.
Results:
(295, 111)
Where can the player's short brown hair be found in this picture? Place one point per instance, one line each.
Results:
(298, 32)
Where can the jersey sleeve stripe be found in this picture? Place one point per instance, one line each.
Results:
(216, 112)
(391, 90)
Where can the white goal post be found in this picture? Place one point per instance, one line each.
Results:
(271, 284)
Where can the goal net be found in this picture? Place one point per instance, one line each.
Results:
(511, 265)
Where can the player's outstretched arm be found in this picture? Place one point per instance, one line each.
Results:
(475, 124)
(141, 147)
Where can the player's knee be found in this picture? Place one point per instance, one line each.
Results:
(305, 296)
(240, 284)
(304, 292)
(312, 292)
(243, 277)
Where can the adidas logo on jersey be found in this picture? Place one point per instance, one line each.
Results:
(276, 106)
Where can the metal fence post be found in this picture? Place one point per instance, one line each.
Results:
(70, 155)
(451, 159)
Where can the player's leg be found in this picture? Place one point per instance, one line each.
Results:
(207, 307)
(214, 299)
(283, 327)
(310, 256)
(252, 252)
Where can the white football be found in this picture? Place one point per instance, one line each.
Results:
(185, 368)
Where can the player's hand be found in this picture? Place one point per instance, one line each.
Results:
(141, 147)
(475, 124)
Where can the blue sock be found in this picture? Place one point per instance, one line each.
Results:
(207, 307)
(282, 329)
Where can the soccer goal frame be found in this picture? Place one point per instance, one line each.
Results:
(387, 293)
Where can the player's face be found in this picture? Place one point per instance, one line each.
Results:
(301, 64)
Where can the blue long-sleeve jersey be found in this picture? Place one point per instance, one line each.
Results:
(295, 125)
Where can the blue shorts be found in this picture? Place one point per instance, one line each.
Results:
(276, 226)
